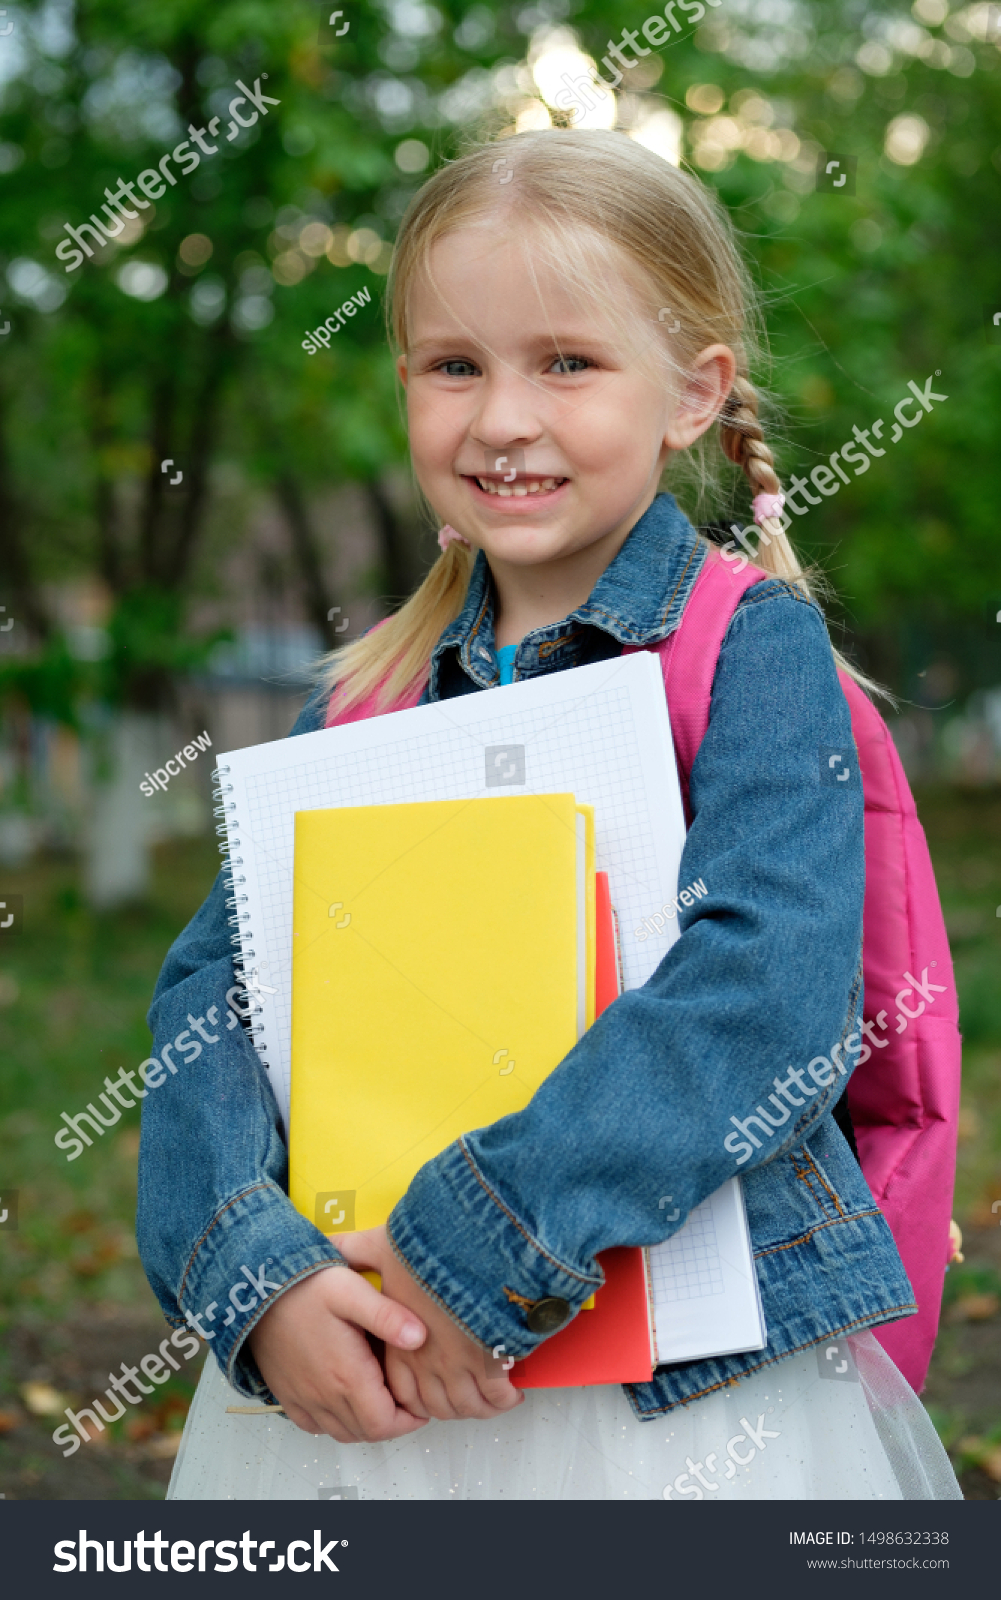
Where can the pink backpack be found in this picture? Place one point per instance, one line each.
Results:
(904, 1099)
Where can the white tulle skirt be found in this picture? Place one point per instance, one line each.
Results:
(845, 1428)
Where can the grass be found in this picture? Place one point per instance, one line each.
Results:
(74, 1301)
(75, 987)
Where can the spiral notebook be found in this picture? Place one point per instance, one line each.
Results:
(600, 732)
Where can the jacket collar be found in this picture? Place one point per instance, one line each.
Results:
(639, 598)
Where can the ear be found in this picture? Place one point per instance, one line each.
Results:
(401, 369)
(703, 395)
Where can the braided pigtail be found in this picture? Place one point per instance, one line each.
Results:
(743, 441)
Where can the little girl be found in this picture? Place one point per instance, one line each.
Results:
(563, 336)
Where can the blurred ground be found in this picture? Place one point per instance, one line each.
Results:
(74, 1304)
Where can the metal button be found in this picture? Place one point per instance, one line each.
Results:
(548, 1315)
(481, 650)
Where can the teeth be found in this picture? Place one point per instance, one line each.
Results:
(533, 486)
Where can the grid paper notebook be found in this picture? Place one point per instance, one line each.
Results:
(600, 732)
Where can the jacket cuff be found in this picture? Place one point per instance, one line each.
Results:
(482, 1265)
(254, 1249)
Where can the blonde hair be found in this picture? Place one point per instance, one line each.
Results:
(598, 203)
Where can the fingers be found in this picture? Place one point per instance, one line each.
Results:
(448, 1395)
(310, 1424)
(435, 1398)
(500, 1394)
(367, 1416)
(363, 1250)
(368, 1408)
(358, 1302)
(403, 1385)
(478, 1397)
(375, 1420)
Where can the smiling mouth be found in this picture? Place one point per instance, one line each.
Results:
(519, 486)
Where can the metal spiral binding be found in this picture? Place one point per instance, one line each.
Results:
(231, 883)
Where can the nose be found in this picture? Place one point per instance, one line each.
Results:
(508, 414)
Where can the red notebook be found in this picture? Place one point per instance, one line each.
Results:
(611, 1343)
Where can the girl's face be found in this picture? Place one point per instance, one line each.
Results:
(536, 428)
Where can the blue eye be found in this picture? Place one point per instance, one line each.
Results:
(448, 367)
(571, 364)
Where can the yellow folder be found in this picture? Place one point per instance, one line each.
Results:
(442, 966)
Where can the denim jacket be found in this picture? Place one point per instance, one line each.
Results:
(719, 1063)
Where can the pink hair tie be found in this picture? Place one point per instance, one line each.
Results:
(447, 535)
(766, 506)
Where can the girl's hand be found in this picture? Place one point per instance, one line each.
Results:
(316, 1360)
(450, 1376)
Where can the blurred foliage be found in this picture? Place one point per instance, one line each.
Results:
(145, 639)
(863, 291)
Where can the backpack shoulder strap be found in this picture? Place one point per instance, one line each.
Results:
(689, 655)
